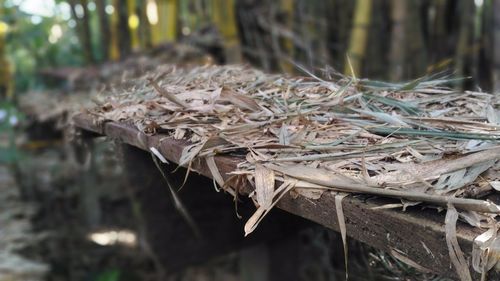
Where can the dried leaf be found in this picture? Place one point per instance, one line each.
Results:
(212, 166)
(399, 256)
(190, 152)
(254, 220)
(259, 215)
(264, 186)
(485, 251)
(171, 97)
(456, 255)
(158, 154)
(241, 101)
(310, 193)
(495, 185)
(343, 230)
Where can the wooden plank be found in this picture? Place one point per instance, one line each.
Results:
(417, 234)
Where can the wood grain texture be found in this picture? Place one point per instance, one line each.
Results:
(418, 234)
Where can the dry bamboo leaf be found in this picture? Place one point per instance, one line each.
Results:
(190, 152)
(241, 101)
(401, 257)
(343, 230)
(212, 166)
(264, 185)
(284, 136)
(456, 255)
(399, 139)
(427, 249)
(485, 251)
(259, 215)
(432, 169)
(463, 177)
(495, 185)
(159, 155)
(388, 206)
(309, 193)
(492, 115)
(171, 97)
(254, 220)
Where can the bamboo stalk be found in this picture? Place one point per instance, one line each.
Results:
(461, 55)
(287, 7)
(6, 84)
(224, 18)
(162, 20)
(416, 53)
(133, 24)
(144, 30)
(438, 57)
(359, 36)
(172, 20)
(397, 52)
(114, 50)
(476, 42)
(154, 19)
(496, 45)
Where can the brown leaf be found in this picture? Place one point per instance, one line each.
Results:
(239, 100)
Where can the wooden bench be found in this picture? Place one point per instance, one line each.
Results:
(417, 234)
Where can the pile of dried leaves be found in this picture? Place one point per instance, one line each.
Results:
(418, 141)
(83, 84)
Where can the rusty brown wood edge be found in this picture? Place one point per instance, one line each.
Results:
(417, 234)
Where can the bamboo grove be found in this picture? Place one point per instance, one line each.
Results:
(380, 39)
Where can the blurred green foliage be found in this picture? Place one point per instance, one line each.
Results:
(110, 275)
(10, 117)
(29, 49)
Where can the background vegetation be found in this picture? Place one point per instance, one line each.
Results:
(384, 39)
(391, 40)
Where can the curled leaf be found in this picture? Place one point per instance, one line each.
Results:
(456, 255)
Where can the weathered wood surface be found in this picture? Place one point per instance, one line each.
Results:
(417, 234)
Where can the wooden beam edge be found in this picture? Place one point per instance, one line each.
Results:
(420, 236)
